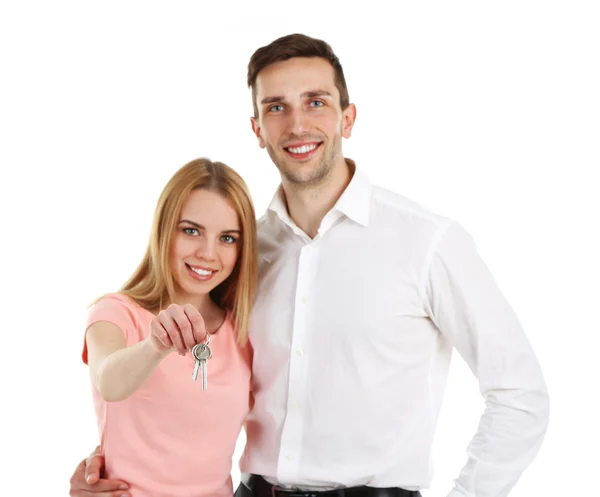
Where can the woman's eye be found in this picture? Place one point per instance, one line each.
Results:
(228, 239)
(190, 231)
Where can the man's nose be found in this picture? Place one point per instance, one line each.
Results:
(298, 122)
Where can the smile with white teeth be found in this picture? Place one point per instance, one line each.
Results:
(201, 272)
(303, 149)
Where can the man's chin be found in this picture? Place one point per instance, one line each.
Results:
(307, 177)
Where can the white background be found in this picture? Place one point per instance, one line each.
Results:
(484, 112)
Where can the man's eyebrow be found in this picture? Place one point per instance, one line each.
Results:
(306, 94)
(271, 100)
(316, 93)
(199, 226)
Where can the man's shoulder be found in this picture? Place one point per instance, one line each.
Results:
(400, 206)
(263, 225)
(266, 227)
(262, 220)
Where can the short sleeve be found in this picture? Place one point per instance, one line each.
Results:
(115, 309)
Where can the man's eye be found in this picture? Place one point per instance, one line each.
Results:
(275, 108)
(317, 103)
(190, 231)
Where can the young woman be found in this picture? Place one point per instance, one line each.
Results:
(161, 432)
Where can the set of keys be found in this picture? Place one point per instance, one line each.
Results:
(201, 353)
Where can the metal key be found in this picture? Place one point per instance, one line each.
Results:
(201, 353)
(196, 361)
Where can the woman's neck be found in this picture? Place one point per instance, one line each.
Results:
(205, 305)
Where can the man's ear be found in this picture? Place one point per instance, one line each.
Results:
(348, 118)
(257, 131)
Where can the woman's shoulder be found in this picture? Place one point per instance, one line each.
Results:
(244, 349)
(229, 324)
(118, 303)
(117, 299)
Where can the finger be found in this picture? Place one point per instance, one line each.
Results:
(107, 486)
(93, 466)
(195, 318)
(172, 329)
(78, 478)
(185, 327)
(97, 493)
(157, 330)
(94, 486)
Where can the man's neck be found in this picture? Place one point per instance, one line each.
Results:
(308, 206)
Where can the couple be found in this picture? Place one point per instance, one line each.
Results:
(361, 296)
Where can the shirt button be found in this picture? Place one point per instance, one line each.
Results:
(304, 300)
(300, 352)
(288, 458)
(294, 405)
(309, 248)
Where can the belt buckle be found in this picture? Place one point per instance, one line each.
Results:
(277, 491)
(290, 492)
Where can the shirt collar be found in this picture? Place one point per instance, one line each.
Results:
(354, 203)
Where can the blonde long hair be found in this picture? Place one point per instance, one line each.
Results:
(152, 284)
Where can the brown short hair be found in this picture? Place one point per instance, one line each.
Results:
(288, 47)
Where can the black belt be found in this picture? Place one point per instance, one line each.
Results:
(262, 488)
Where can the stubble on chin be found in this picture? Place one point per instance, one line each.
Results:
(316, 176)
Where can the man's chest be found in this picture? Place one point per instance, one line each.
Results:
(352, 289)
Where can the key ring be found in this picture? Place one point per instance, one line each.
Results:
(202, 343)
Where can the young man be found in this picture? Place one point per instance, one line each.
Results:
(362, 296)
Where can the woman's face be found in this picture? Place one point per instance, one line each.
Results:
(206, 244)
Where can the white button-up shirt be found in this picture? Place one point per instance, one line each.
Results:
(352, 334)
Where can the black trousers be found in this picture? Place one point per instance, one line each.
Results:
(258, 487)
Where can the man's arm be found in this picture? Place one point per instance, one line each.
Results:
(87, 482)
(469, 309)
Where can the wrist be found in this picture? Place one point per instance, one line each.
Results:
(156, 349)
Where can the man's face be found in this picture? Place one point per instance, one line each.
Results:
(300, 121)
